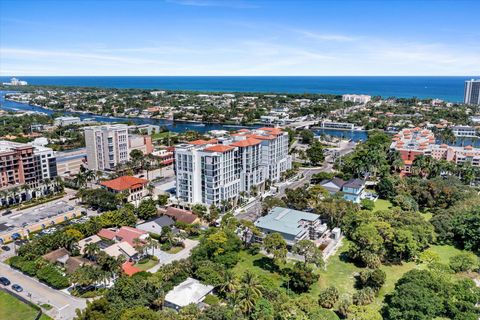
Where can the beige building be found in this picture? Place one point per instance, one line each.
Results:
(70, 162)
(107, 146)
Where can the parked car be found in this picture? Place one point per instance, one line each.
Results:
(6, 212)
(4, 281)
(17, 288)
(5, 248)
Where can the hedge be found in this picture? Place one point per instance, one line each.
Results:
(51, 276)
(48, 274)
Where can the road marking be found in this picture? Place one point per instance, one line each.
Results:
(65, 306)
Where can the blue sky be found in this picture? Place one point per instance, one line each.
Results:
(239, 37)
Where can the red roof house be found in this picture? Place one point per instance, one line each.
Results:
(124, 183)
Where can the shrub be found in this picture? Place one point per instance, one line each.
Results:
(464, 261)
(328, 297)
(211, 300)
(364, 296)
(367, 204)
(372, 278)
(24, 265)
(51, 276)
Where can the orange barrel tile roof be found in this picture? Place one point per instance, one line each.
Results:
(124, 183)
(246, 143)
(218, 148)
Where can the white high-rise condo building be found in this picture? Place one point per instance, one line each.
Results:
(107, 146)
(472, 92)
(357, 98)
(218, 170)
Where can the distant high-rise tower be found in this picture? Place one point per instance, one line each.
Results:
(472, 92)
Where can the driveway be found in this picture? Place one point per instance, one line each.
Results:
(166, 258)
(63, 304)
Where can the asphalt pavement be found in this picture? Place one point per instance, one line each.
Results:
(64, 305)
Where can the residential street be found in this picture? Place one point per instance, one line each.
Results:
(63, 304)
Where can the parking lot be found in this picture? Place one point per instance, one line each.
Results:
(21, 219)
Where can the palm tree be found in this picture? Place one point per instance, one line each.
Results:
(158, 302)
(150, 189)
(140, 246)
(14, 194)
(152, 244)
(229, 282)
(79, 180)
(89, 176)
(250, 292)
(3, 197)
(91, 250)
(26, 188)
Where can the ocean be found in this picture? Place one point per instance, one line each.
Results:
(445, 88)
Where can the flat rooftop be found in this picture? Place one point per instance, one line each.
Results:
(285, 220)
(187, 292)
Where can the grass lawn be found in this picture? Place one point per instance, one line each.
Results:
(253, 263)
(339, 272)
(147, 265)
(381, 204)
(174, 250)
(161, 135)
(13, 309)
(445, 252)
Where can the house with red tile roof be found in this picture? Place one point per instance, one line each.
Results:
(127, 234)
(134, 187)
(181, 215)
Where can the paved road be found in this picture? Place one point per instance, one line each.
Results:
(63, 304)
(254, 209)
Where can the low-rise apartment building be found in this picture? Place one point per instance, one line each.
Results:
(292, 225)
(218, 170)
(464, 131)
(413, 142)
(135, 188)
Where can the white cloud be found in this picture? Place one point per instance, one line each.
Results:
(325, 36)
(340, 55)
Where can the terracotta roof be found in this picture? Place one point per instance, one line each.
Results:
(246, 143)
(198, 142)
(107, 234)
(124, 183)
(129, 234)
(181, 215)
(261, 137)
(129, 269)
(275, 131)
(218, 148)
(201, 141)
(243, 130)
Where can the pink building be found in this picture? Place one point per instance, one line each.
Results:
(413, 142)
